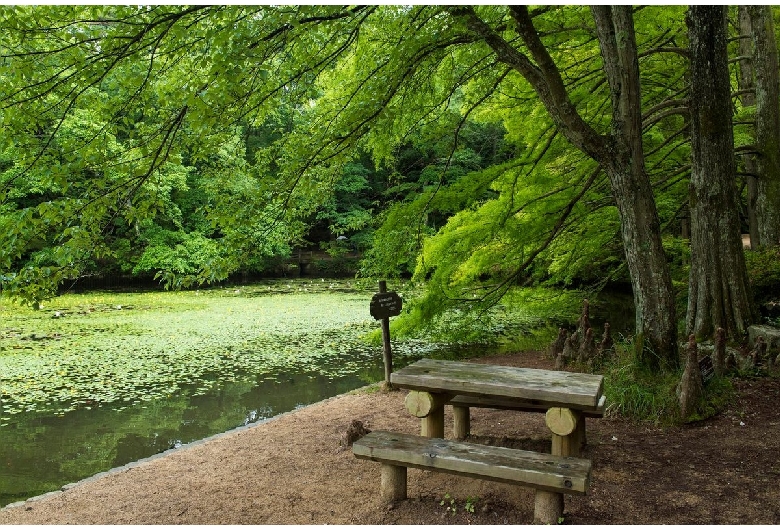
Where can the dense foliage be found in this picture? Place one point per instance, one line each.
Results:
(191, 143)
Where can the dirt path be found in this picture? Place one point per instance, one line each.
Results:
(292, 471)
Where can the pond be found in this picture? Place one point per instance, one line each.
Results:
(96, 380)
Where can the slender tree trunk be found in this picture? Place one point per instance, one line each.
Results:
(747, 87)
(719, 295)
(656, 338)
(765, 65)
(620, 154)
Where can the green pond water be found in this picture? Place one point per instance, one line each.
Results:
(94, 381)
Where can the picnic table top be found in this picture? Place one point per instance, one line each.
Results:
(553, 387)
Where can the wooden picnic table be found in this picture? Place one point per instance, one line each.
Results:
(564, 396)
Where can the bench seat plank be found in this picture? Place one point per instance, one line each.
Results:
(561, 474)
(568, 389)
(522, 404)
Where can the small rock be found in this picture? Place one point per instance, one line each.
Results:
(355, 431)
(771, 336)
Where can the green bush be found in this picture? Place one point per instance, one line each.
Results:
(678, 253)
(642, 395)
(337, 267)
(763, 266)
(177, 253)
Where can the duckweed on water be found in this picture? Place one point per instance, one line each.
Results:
(119, 349)
(88, 350)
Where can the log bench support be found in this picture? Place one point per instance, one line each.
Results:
(550, 475)
(393, 483)
(461, 427)
(461, 422)
(430, 409)
(568, 428)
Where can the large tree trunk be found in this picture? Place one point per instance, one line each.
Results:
(656, 336)
(656, 329)
(719, 295)
(747, 89)
(765, 66)
(620, 154)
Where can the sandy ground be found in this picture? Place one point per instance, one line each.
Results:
(292, 470)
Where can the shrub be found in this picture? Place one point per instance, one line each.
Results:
(763, 266)
(642, 395)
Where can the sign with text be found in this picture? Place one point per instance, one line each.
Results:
(706, 368)
(385, 305)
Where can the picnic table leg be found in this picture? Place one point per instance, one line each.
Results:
(429, 407)
(461, 422)
(393, 483)
(433, 423)
(566, 440)
(581, 432)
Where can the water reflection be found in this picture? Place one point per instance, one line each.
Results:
(41, 453)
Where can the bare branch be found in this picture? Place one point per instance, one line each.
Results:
(683, 52)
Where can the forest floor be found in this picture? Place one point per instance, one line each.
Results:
(292, 470)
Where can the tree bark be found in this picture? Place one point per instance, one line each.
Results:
(765, 66)
(656, 335)
(747, 87)
(620, 154)
(718, 295)
(690, 386)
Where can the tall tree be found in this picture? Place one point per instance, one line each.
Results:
(767, 84)
(719, 294)
(415, 59)
(178, 80)
(619, 153)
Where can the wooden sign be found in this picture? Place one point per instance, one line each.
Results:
(706, 368)
(385, 305)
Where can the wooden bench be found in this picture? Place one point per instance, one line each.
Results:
(433, 383)
(545, 473)
(462, 404)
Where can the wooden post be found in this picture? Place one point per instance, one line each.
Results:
(393, 483)
(433, 424)
(567, 436)
(580, 432)
(548, 507)
(461, 422)
(387, 354)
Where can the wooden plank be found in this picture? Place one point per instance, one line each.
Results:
(523, 405)
(566, 389)
(525, 468)
(461, 422)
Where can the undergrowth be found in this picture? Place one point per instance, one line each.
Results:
(643, 395)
